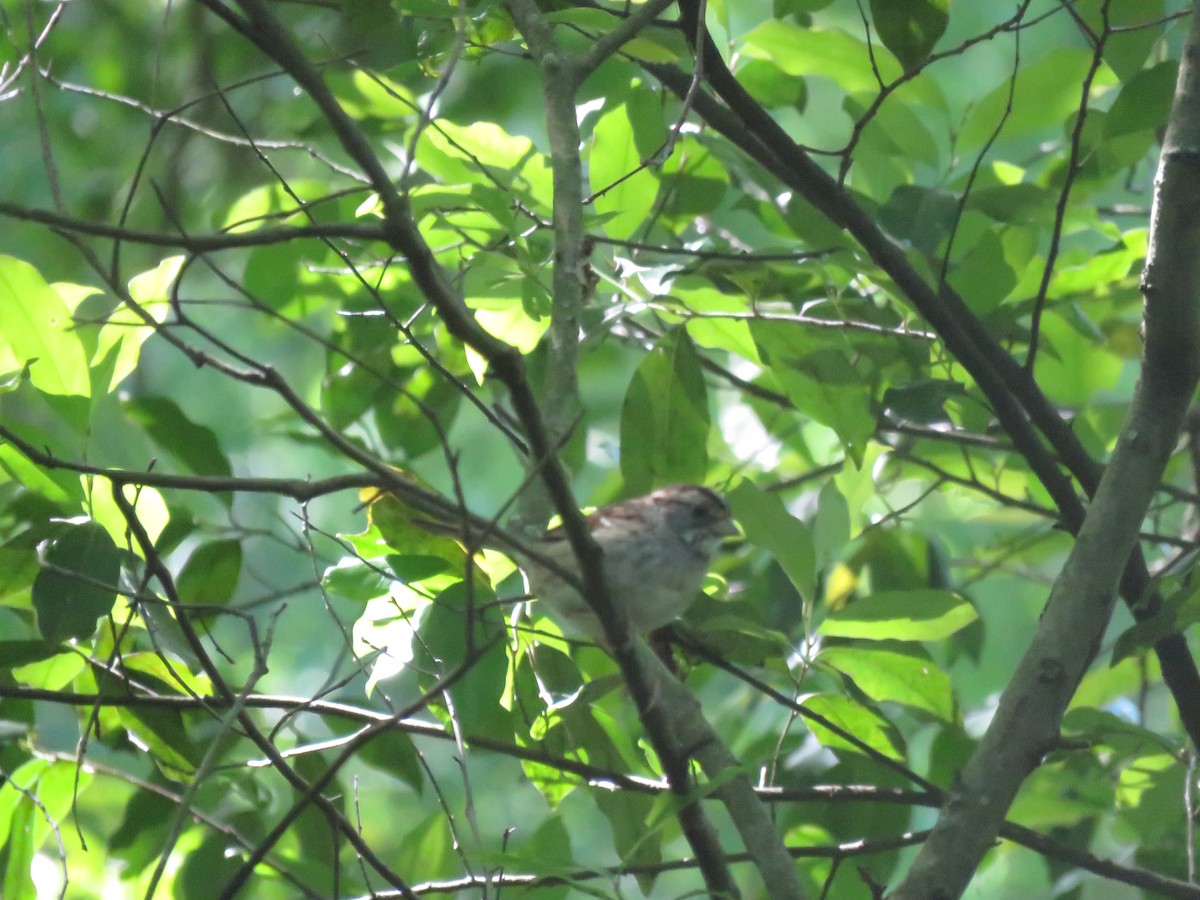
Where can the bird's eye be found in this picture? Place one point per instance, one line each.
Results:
(707, 512)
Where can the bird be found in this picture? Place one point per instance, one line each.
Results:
(656, 551)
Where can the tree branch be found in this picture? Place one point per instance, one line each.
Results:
(1025, 726)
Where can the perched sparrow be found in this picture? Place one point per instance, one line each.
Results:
(656, 548)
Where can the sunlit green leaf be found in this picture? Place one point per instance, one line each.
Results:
(886, 675)
(831, 53)
(820, 380)
(865, 726)
(902, 616)
(35, 329)
(148, 505)
(665, 418)
(620, 162)
(769, 525)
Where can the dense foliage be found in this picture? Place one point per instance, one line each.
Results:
(277, 278)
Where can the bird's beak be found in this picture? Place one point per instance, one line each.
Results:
(729, 529)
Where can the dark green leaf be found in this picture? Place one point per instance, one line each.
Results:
(209, 867)
(627, 815)
(394, 752)
(77, 584)
(144, 823)
(195, 446)
(20, 653)
(443, 646)
(770, 86)
(922, 401)
(1144, 101)
(18, 568)
(354, 580)
(910, 28)
(921, 216)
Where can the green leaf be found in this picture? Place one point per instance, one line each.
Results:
(1044, 94)
(443, 644)
(820, 380)
(210, 576)
(51, 674)
(78, 583)
(983, 277)
(1178, 612)
(25, 824)
(649, 49)
(121, 337)
(622, 140)
(352, 579)
(56, 486)
(829, 53)
(399, 529)
(910, 28)
(36, 329)
(895, 130)
(196, 446)
(380, 97)
(866, 725)
(209, 865)
(635, 846)
(147, 502)
(831, 527)
(14, 788)
(165, 735)
(665, 418)
(1133, 31)
(888, 675)
(481, 142)
(394, 752)
(1143, 103)
(770, 85)
(1073, 366)
(273, 277)
(269, 204)
(918, 615)
(20, 653)
(598, 20)
(513, 326)
(428, 847)
(18, 568)
(921, 216)
(18, 877)
(138, 838)
(768, 524)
